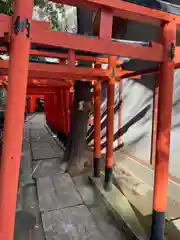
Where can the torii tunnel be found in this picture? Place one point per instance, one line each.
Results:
(22, 37)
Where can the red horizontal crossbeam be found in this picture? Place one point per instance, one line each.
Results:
(77, 3)
(137, 74)
(40, 91)
(36, 93)
(125, 10)
(61, 72)
(48, 83)
(42, 83)
(101, 46)
(83, 43)
(66, 57)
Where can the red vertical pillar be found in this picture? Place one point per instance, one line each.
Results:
(163, 132)
(71, 62)
(71, 100)
(49, 106)
(33, 104)
(154, 124)
(53, 111)
(62, 110)
(106, 22)
(59, 111)
(14, 119)
(97, 128)
(110, 137)
(120, 112)
(46, 106)
(66, 110)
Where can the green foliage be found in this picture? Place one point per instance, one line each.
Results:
(6, 7)
(40, 3)
(50, 9)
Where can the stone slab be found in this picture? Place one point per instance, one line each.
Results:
(47, 167)
(85, 189)
(172, 230)
(50, 141)
(31, 205)
(46, 138)
(106, 223)
(57, 192)
(26, 168)
(24, 222)
(177, 223)
(137, 191)
(44, 151)
(19, 204)
(70, 223)
(122, 210)
(103, 218)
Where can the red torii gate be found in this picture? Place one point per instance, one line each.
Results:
(18, 74)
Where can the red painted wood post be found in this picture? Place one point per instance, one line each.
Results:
(59, 111)
(120, 112)
(53, 111)
(66, 110)
(14, 119)
(47, 106)
(33, 104)
(154, 123)
(71, 101)
(106, 23)
(163, 132)
(110, 130)
(97, 128)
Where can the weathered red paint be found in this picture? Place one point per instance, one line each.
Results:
(14, 121)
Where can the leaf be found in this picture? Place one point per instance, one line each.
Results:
(51, 9)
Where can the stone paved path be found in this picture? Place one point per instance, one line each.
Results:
(63, 208)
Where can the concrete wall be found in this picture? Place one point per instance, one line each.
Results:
(137, 107)
(137, 101)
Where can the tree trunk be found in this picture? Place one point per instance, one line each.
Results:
(76, 150)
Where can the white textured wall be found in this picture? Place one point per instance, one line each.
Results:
(137, 121)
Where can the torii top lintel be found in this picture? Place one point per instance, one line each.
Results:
(125, 10)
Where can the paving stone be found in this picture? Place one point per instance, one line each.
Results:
(31, 205)
(122, 210)
(56, 192)
(40, 145)
(58, 149)
(106, 223)
(26, 168)
(47, 167)
(19, 204)
(24, 222)
(71, 223)
(61, 199)
(41, 139)
(43, 151)
(103, 218)
(85, 189)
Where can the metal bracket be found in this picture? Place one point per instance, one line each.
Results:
(21, 26)
(171, 51)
